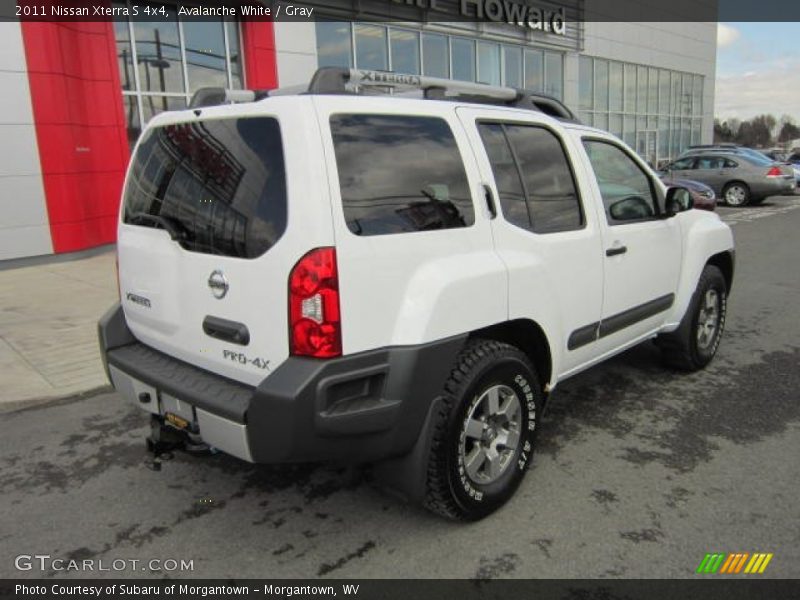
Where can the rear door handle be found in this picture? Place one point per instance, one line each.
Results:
(223, 329)
(487, 193)
(615, 250)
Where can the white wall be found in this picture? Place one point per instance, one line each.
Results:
(24, 226)
(296, 45)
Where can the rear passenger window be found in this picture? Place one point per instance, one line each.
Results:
(400, 174)
(506, 175)
(534, 180)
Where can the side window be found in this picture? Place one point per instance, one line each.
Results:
(627, 191)
(729, 164)
(683, 164)
(506, 175)
(400, 174)
(710, 162)
(535, 183)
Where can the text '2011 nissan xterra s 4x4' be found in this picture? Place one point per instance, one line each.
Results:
(398, 279)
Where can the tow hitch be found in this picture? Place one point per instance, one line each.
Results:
(165, 439)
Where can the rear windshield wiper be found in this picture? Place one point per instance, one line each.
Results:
(173, 227)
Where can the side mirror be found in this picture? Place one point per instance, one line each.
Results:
(631, 208)
(678, 199)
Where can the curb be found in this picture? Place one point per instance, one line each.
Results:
(16, 406)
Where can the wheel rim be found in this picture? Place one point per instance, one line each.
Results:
(708, 319)
(735, 195)
(491, 434)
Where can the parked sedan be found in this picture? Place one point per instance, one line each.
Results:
(737, 178)
(703, 196)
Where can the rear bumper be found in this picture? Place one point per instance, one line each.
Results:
(774, 186)
(358, 408)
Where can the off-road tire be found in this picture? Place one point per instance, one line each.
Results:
(481, 366)
(681, 349)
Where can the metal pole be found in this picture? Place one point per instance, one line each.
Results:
(160, 67)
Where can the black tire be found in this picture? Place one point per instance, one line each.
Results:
(742, 198)
(481, 367)
(686, 348)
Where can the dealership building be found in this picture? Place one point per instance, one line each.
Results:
(77, 94)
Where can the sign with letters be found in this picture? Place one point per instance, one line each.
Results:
(513, 12)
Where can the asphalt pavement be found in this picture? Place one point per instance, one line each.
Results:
(639, 472)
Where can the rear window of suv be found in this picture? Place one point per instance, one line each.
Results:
(218, 187)
(400, 174)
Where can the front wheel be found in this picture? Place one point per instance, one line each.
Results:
(693, 345)
(736, 194)
(484, 434)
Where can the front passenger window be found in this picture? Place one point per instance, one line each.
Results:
(683, 164)
(710, 162)
(627, 191)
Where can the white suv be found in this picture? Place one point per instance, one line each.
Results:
(395, 280)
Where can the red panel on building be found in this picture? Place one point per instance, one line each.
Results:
(80, 122)
(260, 60)
(80, 128)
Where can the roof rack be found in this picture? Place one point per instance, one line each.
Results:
(339, 80)
(720, 145)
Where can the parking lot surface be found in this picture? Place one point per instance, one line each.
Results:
(640, 471)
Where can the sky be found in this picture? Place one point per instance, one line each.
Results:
(758, 70)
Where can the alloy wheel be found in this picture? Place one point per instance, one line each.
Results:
(491, 434)
(735, 195)
(708, 319)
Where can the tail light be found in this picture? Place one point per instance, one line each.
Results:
(314, 321)
(775, 172)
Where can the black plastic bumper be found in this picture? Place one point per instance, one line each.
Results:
(358, 408)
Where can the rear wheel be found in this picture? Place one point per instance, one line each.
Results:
(484, 433)
(695, 342)
(736, 194)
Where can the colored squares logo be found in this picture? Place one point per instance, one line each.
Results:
(734, 563)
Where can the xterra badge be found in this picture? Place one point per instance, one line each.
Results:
(136, 299)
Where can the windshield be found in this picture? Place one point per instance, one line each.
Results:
(217, 187)
(756, 157)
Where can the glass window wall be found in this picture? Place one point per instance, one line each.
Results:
(404, 50)
(655, 111)
(162, 63)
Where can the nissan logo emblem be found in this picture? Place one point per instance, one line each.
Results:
(218, 284)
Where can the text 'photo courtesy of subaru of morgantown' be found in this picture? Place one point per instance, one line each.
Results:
(400, 280)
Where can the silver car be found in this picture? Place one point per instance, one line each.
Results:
(738, 179)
